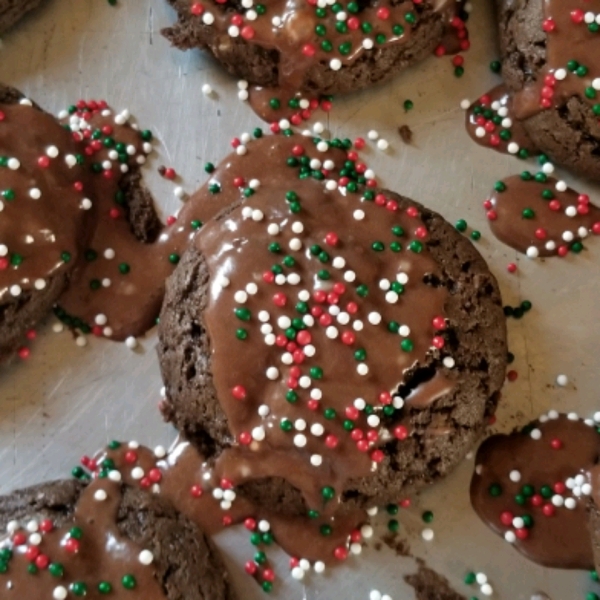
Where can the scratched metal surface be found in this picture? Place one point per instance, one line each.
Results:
(66, 400)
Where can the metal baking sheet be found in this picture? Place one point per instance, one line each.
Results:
(66, 400)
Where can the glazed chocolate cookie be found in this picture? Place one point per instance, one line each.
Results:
(551, 64)
(305, 47)
(326, 342)
(65, 539)
(45, 214)
(12, 11)
(532, 487)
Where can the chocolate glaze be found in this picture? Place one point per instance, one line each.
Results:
(259, 100)
(195, 486)
(130, 302)
(560, 540)
(568, 41)
(490, 122)
(235, 248)
(288, 26)
(42, 218)
(550, 228)
(104, 554)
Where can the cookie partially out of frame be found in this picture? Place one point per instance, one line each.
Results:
(12, 11)
(301, 417)
(155, 554)
(292, 55)
(539, 39)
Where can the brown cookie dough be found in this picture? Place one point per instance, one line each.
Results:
(112, 535)
(370, 401)
(288, 51)
(559, 106)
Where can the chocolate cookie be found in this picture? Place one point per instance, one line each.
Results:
(326, 342)
(63, 538)
(12, 11)
(532, 488)
(551, 64)
(45, 214)
(317, 49)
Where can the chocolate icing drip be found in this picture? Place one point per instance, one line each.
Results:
(490, 122)
(572, 60)
(282, 369)
(531, 488)
(205, 494)
(540, 216)
(118, 286)
(78, 559)
(43, 200)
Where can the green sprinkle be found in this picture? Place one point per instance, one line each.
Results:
(78, 588)
(285, 425)
(174, 258)
(495, 66)
(392, 509)
(415, 246)
(495, 490)
(378, 246)
(408, 105)
(407, 345)
(104, 587)
(469, 578)
(475, 235)
(76, 533)
(328, 493)
(427, 516)
(242, 313)
(65, 256)
(241, 334)
(325, 530)
(461, 225)
(528, 213)
(316, 372)
(209, 167)
(500, 186)
(267, 586)
(329, 413)
(260, 557)
(393, 525)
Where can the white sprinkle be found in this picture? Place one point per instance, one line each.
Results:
(362, 369)
(355, 548)
(349, 276)
(160, 452)
(297, 227)
(297, 573)
(568, 236)
(561, 186)
(101, 319)
(560, 74)
(59, 593)
(373, 421)
(372, 134)
(309, 321)
(571, 211)
(427, 534)
(115, 475)
(360, 403)
(558, 500)
(397, 402)
(358, 325)
(572, 416)
(39, 284)
(12, 527)
(319, 567)
(383, 144)
(300, 440)
(374, 318)
(486, 589)
(480, 132)
(331, 185)
(517, 523)
(13, 164)
(391, 297)
(316, 460)
(510, 537)
(532, 252)
(304, 382)
(137, 472)
(316, 394)
(359, 215)
(284, 322)
(335, 64)
(513, 148)
(258, 433)
(146, 557)
(535, 434)
(15, 290)
(332, 332)
(317, 429)
(322, 146)
(287, 358)
(366, 531)
(338, 262)
(240, 297)
(464, 104)
(596, 83)
(515, 476)
(272, 373)
(548, 168)
(100, 495)
(368, 43)
(374, 595)
(372, 511)
(318, 127)
(81, 341)
(570, 503)
(562, 380)
(295, 244)
(300, 424)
